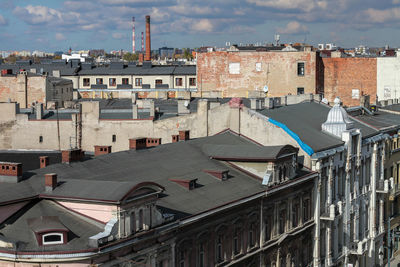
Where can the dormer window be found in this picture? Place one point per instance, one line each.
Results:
(53, 239)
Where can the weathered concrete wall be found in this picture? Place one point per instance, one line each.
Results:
(343, 75)
(388, 78)
(277, 70)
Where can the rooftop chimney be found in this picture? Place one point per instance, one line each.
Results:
(184, 135)
(101, 150)
(44, 161)
(10, 172)
(50, 181)
(39, 111)
(148, 44)
(72, 155)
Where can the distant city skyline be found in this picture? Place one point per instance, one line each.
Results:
(106, 24)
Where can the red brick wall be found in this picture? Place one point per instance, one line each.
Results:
(10, 169)
(342, 75)
(278, 71)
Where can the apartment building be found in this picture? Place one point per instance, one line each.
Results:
(110, 211)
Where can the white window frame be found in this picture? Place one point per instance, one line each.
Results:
(53, 242)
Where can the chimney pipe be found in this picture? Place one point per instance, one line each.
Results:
(148, 45)
(133, 35)
(142, 43)
(44, 161)
(50, 181)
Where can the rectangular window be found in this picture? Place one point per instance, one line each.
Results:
(138, 81)
(282, 221)
(234, 68)
(125, 80)
(355, 94)
(178, 81)
(158, 81)
(114, 138)
(201, 255)
(300, 69)
(112, 82)
(40, 139)
(258, 66)
(192, 81)
(300, 90)
(86, 81)
(219, 249)
(99, 80)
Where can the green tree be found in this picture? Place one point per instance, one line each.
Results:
(130, 57)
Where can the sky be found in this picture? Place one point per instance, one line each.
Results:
(54, 25)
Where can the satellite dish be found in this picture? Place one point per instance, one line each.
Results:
(186, 103)
(265, 89)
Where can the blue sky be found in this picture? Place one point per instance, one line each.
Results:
(90, 24)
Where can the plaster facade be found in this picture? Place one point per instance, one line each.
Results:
(388, 81)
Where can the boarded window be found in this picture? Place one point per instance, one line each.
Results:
(234, 68)
(355, 93)
(258, 66)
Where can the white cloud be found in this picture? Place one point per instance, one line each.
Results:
(203, 25)
(304, 5)
(3, 21)
(37, 14)
(381, 16)
(293, 27)
(118, 35)
(60, 37)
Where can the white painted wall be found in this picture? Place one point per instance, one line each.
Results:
(388, 76)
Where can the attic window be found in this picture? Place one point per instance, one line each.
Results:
(52, 239)
(220, 174)
(188, 184)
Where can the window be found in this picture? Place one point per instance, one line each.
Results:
(125, 80)
(112, 82)
(201, 255)
(182, 259)
(355, 94)
(86, 81)
(114, 138)
(178, 81)
(295, 212)
(140, 224)
(234, 68)
(236, 242)
(306, 210)
(252, 235)
(300, 90)
(282, 221)
(99, 80)
(219, 254)
(40, 139)
(300, 69)
(192, 81)
(138, 82)
(53, 239)
(258, 66)
(158, 81)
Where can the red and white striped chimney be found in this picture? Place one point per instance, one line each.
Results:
(148, 40)
(133, 35)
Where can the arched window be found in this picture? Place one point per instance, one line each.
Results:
(219, 248)
(52, 239)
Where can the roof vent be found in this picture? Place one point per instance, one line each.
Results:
(101, 150)
(72, 155)
(338, 121)
(220, 174)
(184, 135)
(44, 161)
(188, 184)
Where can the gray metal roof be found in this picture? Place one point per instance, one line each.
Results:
(380, 120)
(305, 119)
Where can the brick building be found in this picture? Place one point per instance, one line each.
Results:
(350, 78)
(239, 73)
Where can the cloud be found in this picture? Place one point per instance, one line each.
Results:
(293, 27)
(203, 25)
(3, 21)
(382, 16)
(37, 14)
(118, 35)
(304, 5)
(60, 37)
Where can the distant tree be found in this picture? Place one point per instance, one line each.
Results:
(57, 57)
(11, 59)
(187, 54)
(130, 57)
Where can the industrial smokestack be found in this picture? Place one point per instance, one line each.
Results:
(148, 44)
(142, 43)
(133, 35)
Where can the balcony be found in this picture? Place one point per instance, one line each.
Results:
(382, 186)
(394, 192)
